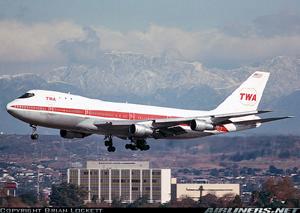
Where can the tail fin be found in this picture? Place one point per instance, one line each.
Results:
(247, 96)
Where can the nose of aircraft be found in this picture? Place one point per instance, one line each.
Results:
(9, 108)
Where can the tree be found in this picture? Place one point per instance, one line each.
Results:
(282, 190)
(209, 200)
(288, 189)
(260, 199)
(197, 172)
(237, 202)
(223, 164)
(94, 198)
(67, 195)
(269, 185)
(277, 204)
(141, 201)
(295, 169)
(29, 199)
(250, 171)
(243, 172)
(3, 191)
(214, 172)
(16, 202)
(292, 203)
(226, 200)
(285, 154)
(117, 203)
(237, 157)
(185, 202)
(12, 202)
(273, 169)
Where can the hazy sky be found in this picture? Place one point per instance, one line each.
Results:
(41, 35)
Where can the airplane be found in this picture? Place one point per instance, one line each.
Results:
(79, 117)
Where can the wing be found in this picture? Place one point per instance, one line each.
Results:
(169, 122)
(218, 119)
(162, 128)
(165, 132)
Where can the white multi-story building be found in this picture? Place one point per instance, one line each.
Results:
(125, 180)
(192, 190)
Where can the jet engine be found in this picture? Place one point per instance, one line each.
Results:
(201, 125)
(71, 134)
(140, 130)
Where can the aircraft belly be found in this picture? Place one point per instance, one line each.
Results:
(32, 117)
(68, 122)
(24, 116)
(57, 121)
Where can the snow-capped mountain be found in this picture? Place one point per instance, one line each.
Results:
(136, 74)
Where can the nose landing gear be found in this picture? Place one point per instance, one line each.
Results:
(33, 135)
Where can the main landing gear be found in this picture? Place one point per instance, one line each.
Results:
(138, 144)
(135, 144)
(33, 135)
(109, 143)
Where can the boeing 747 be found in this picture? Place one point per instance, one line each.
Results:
(79, 117)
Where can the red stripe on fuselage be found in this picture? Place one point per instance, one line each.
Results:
(93, 113)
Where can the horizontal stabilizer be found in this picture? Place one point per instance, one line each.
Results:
(263, 120)
(223, 117)
(239, 114)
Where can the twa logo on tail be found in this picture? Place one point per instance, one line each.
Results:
(248, 96)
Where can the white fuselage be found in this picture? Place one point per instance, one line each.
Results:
(72, 112)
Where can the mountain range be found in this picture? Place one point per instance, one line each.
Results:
(161, 81)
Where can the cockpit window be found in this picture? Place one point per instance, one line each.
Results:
(27, 95)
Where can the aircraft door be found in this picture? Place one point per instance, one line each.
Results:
(87, 113)
(131, 116)
(50, 118)
(50, 109)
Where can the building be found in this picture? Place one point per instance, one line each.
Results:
(127, 180)
(193, 190)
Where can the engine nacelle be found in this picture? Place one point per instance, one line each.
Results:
(71, 134)
(200, 125)
(139, 130)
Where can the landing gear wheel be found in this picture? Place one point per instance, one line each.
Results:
(137, 144)
(109, 143)
(140, 144)
(111, 148)
(133, 148)
(34, 136)
(145, 148)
